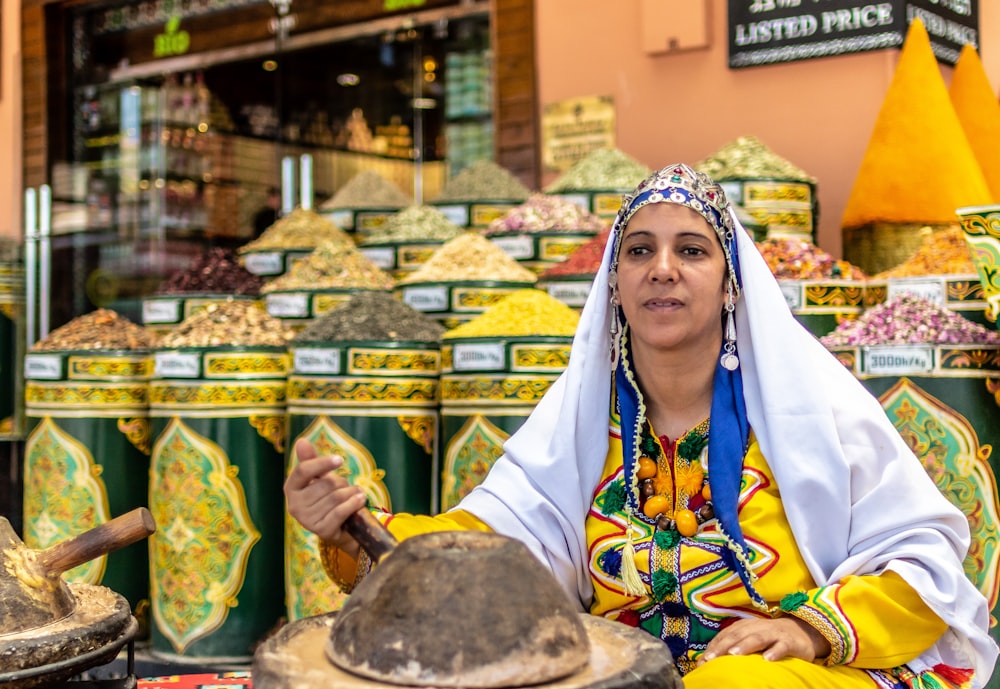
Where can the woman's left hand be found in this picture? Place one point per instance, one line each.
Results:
(776, 638)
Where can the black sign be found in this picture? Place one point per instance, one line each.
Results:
(764, 32)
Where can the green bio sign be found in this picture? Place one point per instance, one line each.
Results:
(394, 5)
(171, 41)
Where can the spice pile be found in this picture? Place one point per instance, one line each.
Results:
(216, 272)
(332, 266)
(748, 158)
(367, 189)
(942, 252)
(414, 224)
(526, 312)
(798, 259)
(585, 261)
(603, 169)
(101, 329)
(232, 324)
(906, 319)
(300, 229)
(483, 180)
(543, 212)
(372, 317)
(470, 256)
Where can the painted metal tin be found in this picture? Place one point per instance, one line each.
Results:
(399, 259)
(538, 251)
(604, 203)
(822, 305)
(961, 294)
(945, 402)
(571, 290)
(787, 208)
(376, 404)
(489, 386)
(215, 489)
(981, 225)
(297, 308)
(453, 303)
(86, 458)
(359, 222)
(475, 214)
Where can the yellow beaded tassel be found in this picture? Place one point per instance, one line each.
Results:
(630, 573)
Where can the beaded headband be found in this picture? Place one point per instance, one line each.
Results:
(684, 186)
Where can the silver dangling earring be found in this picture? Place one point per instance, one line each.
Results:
(615, 331)
(729, 360)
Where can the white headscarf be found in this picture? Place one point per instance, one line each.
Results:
(857, 499)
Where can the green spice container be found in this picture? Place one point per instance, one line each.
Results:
(11, 314)
(597, 181)
(364, 385)
(481, 193)
(217, 404)
(212, 277)
(288, 241)
(463, 278)
(494, 370)
(544, 231)
(981, 227)
(937, 376)
(777, 193)
(408, 239)
(822, 292)
(322, 281)
(570, 281)
(86, 453)
(365, 203)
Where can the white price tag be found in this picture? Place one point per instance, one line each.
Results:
(792, 292)
(317, 360)
(478, 357)
(177, 364)
(42, 366)
(931, 290)
(426, 298)
(517, 246)
(288, 305)
(459, 215)
(898, 360)
(570, 293)
(161, 311)
(383, 256)
(582, 200)
(264, 264)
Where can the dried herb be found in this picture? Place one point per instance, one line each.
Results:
(101, 329)
(372, 317)
(216, 272)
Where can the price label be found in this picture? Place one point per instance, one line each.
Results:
(383, 257)
(518, 247)
(479, 357)
(570, 293)
(177, 365)
(161, 311)
(42, 366)
(930, 290)
(898, 360)
(459, 214)
(426, 298)
(792, 293)
(317, 361)
(288, 305)
(269, 263)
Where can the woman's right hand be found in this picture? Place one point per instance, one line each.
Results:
(320, 499)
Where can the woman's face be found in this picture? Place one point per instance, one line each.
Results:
(671, 277)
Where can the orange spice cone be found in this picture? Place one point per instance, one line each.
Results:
(979, 113)
(919, 166)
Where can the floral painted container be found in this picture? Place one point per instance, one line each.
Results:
(86, 458)
(489, 386)
(982, 233)
(945, 402)
(216, 471)
(375, 404)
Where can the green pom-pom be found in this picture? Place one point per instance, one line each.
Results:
(664, 584)
(665, 540)
(614, 498)
(691, 446)
(649, 446)
(793, 601)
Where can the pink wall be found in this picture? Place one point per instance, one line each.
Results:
(682, 107)
(10, 119)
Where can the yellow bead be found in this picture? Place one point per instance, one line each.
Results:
(706, 492)
(647, 468)
(655, 506)
(687, 523)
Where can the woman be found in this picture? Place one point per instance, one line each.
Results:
(720, 480)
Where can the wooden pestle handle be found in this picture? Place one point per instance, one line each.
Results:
(102, 539)
(370, 534)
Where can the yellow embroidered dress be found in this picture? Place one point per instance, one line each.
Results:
(876, 622)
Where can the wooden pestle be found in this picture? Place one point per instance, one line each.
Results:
(370, 534)
(117, 533)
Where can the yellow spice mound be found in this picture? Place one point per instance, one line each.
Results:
(919, 166)
(979, 112)
(942, 252)
(526, 312)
